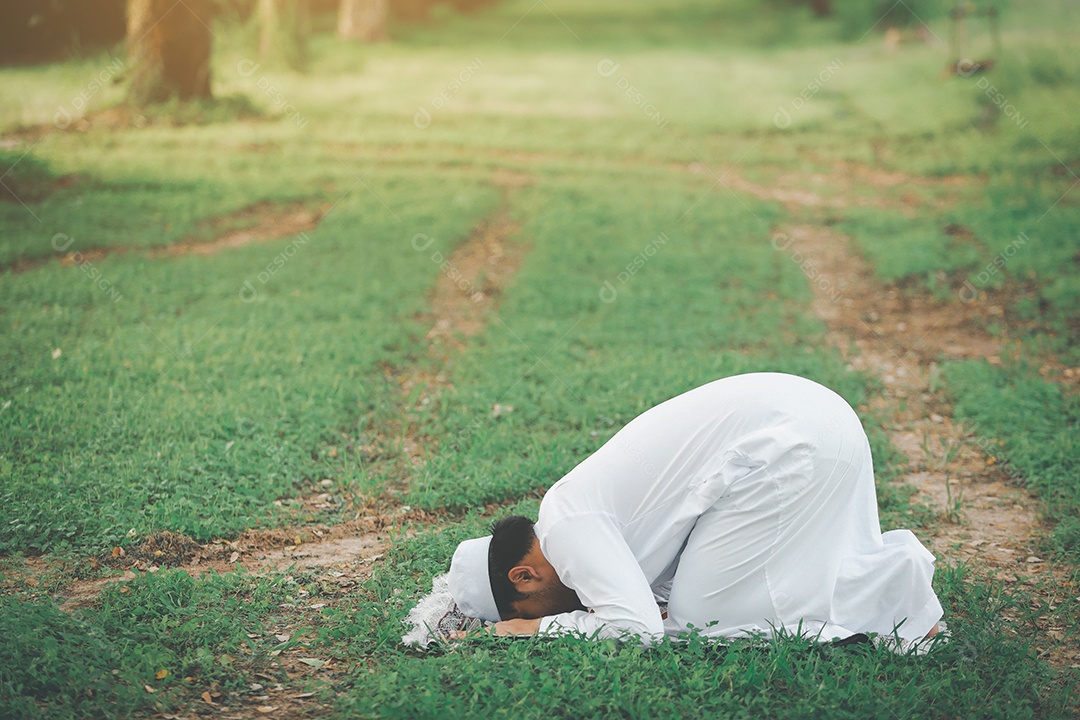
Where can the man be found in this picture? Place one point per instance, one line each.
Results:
(746, 505)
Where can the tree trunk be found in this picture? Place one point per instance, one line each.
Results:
(269, 17)
(284, 28)
(362, 20)
(169, 50)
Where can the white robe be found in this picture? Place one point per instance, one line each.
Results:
(748, 505)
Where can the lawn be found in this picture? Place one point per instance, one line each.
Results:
(213, 395)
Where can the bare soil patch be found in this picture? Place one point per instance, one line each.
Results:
(471, 283)
(843, 184)
(346, 549)
(260, 222)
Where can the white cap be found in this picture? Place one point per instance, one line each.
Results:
(469, 581)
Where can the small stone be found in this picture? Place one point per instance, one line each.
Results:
(936, 418)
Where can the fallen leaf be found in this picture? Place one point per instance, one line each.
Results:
(118, 552)
(282, 638)
(149, 689)
(56, 353)
(161, 674)
(206, 697)
(264, 709)
(301, 696)
(234, 557)
(313, 662)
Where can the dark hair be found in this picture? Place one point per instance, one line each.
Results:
(511, 539)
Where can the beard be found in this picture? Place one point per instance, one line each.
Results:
(557, 598)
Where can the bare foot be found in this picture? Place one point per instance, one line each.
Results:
(933, 631)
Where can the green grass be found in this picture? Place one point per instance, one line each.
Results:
(1031, 426)
(173, 404)
(572, 677)
(167, 632)
(192, 409)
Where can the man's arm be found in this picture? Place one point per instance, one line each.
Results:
(590, 556)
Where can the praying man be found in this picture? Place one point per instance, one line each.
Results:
(746, 506)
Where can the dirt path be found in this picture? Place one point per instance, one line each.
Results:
(260, 222)
(988, 521)
(470, 284)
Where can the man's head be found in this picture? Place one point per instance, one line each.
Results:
(506, 575)
(523, 582)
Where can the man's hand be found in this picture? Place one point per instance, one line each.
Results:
(517, 626)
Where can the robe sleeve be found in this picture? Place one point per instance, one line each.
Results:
(590, 556)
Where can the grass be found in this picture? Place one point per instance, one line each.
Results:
(142, 647)
(140, 395)
(1030, 425)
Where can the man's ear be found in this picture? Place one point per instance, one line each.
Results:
(522, 576)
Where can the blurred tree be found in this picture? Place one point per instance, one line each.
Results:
(284, 29)
(40, 30)
(362, 20)
(169, 49)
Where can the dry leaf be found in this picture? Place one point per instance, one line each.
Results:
(118, 552)
(282, 638)
(264, 709)
(161, 674)
(301, 696)
(206, 697)
(313, 662)
(56, 353)
(149, 689)
(234, 557)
